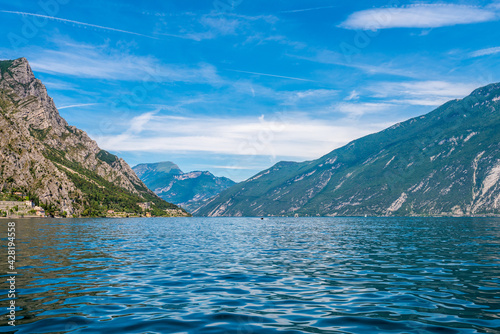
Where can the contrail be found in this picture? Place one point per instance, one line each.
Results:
(306, 9)
(77, 105)
(77, 22)
(271, 75)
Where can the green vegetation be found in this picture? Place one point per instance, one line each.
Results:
(40, 134)
(4, 66)
(98, 198)
(5, 103)
(50, 209)
(10, 195)
(99, 195)
(106, 157)
(159, 203)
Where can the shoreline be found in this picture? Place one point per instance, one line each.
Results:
(266, 217)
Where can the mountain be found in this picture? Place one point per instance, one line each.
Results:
(58, 164)
(446, 162)
(189, 190)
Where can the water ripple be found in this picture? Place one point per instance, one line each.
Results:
(244, 275)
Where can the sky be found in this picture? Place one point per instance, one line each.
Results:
(234, 86)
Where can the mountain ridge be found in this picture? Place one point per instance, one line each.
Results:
(189, 190)
(446, 162)
(58, 163)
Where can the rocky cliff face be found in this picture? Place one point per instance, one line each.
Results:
(444, 163)
(41, 153)
(189, 190)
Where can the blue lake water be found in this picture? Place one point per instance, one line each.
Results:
(246, 275)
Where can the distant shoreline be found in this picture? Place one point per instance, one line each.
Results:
(115, 217)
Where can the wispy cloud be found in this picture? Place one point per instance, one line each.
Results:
(485, 52)
(77, 105)
(210, 27)
(309, 95)
(354, 95)
(222, 25)
(101, 63)
(298, 136)
(264, 37)
(83, 24)
(425, 93)
(271, 75)
(418, 16)
(360, 109)
(138, 124)
(335, 58)
(307, 9)
(213, 25)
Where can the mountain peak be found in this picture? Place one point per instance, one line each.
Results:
(65, 169)
(40, 111)
(189, 190)
(486, 91)
(19, 69)
(165, 167)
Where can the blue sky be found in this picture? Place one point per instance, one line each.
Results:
(233, 86)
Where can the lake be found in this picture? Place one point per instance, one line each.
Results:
(247, 275)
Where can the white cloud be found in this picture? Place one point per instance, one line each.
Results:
(221, 25)
(485, 52)
(430, 102)
(81, 61)
(310, 97)
(426, 93)
(314, 96)
(138, 123)
(352, 96)
(359, 109)
(264, 37)
(213, 25)
(292, 136)
(418, 16)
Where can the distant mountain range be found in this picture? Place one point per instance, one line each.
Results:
(58, 164)
(446, 162)
(189, 190)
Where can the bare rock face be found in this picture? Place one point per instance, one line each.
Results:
(22, 162)
(38, 147)
(21, 72)
(30, 95)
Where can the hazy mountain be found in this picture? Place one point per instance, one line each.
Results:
(444, 163)
(189, 190)
(58, 163)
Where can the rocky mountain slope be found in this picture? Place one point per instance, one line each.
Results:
(446, 162)
(189, 190)
(58, 163)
